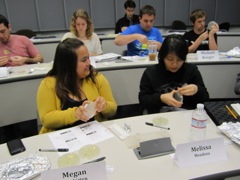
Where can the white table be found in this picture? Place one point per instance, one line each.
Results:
(18, 91)
(125, 163)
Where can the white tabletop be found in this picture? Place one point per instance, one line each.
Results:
(123, 160)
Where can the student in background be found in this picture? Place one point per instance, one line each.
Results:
(144, 33)
(16, 50)
(200, 38)
(237, 85)
(172, 76)
(81, 27)
(70, 85)
(129, 18)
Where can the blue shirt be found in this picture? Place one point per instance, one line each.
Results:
(135, 47)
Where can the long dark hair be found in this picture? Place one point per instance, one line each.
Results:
(64, 69)
(173, 43)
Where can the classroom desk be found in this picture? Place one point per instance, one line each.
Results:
(47, 46)
(18, 91)
(123, 160)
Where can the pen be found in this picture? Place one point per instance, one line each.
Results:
(96, 160)
(55, 150)
(151, 124)
(230, 111)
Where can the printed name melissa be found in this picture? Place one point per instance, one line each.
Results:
(201, 148)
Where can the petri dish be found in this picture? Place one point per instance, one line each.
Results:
(161, 121)
(90, 109)
(68, 160)
(89, 151)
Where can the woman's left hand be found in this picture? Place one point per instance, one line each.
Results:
(188, 90)
(100, 104)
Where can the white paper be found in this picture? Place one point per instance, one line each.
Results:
(3, 72)
(76, 137)
(107, 56)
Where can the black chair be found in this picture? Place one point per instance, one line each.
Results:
(178, 25)
(26, 32)
(224, 27)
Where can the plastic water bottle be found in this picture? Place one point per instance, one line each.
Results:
(199, 123)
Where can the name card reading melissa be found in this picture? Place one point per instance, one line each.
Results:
(208, 55)
(200, 152)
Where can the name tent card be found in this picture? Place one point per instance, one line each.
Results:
(208, 55)
(90, 171)
(200, 152)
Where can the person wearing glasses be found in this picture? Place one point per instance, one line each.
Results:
(128, 19)
(172, 84)
(138, 36)
(70, 87)
(16, 50)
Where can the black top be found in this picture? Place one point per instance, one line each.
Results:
(70, 103)
(156, 80)
(124, 21)
(191, 37)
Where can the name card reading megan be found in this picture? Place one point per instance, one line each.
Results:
(200, 152)
(207, 55)
(89, 171)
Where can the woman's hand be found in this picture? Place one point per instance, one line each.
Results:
(80, 112)
(100, 104)
(168, 99)
(188, 90)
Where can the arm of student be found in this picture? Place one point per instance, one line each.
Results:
(105, 91)
(198, 41)
(37, 58)
(211, 38)
(3, 60)
(19, 60)
(122, 40)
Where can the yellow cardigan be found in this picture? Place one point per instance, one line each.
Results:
(49, 108)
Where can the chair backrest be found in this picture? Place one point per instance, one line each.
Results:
(26, 32)
(224, 26)
(178, 25)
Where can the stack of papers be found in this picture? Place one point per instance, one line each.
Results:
(236, 108)
(107, 57)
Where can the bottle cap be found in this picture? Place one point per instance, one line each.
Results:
(144, 46)
(200, 106)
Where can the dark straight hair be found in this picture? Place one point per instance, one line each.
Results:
(65, 69)
(3, 20)
(173, 43)
(129, 4)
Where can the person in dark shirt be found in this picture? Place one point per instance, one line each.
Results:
(172, 76)
(200, 38)
(129, 18)
(237, 85)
